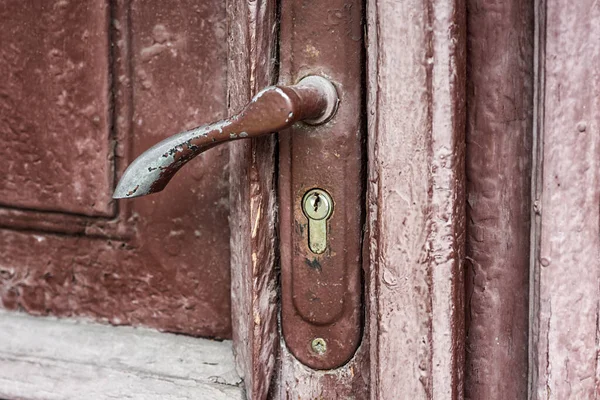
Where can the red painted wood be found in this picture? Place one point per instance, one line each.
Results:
(54, 103)
(499, 152)
(416, 114)
(162, 261)
(567, 268)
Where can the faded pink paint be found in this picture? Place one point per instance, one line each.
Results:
(416, 77)
(567, 260)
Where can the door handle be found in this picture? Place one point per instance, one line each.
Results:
(319, 205)
(313, 100)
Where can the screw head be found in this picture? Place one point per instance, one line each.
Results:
(317, 204)
(319, 345)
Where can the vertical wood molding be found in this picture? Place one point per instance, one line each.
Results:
(499, 152)
(566, 267)
(252, 41)
(416, 78)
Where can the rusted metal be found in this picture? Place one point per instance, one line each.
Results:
(272, 109)
(321, 293)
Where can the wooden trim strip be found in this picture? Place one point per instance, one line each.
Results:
(566, 298)
(254, 250)
(499, 157)
(416, 111)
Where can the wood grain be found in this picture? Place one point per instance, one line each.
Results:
(252, 41)
(498, 161)
(46, 358)
(416, 200)
(566, 266)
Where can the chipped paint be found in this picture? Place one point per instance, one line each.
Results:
(152, 171)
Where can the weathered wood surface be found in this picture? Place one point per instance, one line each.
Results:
(252, 48)
(296, 381)
(55, 63)
(46, 358)
(88, 85)
(416, 200)
(498, 161)
(567, 260)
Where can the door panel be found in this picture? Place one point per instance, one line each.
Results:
(149, 69)
(55, 107)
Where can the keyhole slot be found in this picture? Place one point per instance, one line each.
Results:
(317, 201)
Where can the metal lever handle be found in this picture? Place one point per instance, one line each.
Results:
(313, 100)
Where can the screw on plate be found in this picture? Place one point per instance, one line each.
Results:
(319, 345)
(317, 205)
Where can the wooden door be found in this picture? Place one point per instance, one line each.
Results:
(88, 85)
(481, 229)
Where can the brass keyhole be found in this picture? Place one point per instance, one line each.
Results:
(317, 205)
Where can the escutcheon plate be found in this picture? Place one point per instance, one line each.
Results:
(322, 291)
